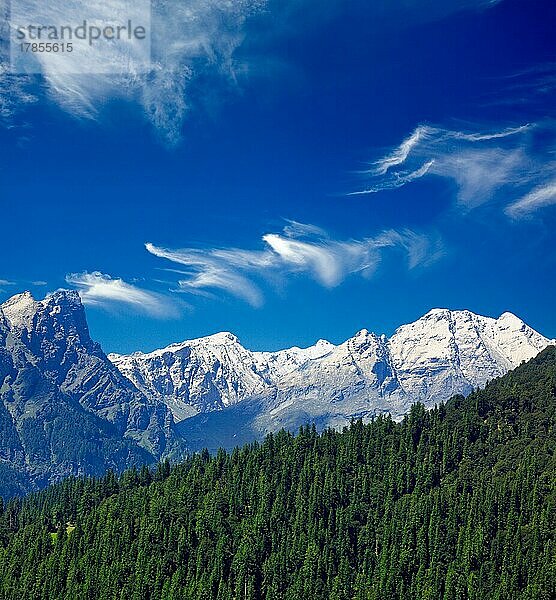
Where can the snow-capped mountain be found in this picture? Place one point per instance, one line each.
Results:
(64, 407)
(211, 373)
(443, 353)
(197, 376)
(447, 352)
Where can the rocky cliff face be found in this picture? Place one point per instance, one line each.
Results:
(64, 408)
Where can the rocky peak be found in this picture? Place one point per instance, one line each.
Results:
(19, 310)
(53, 331)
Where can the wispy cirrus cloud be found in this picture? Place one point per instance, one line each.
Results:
(539, 197)
(298, 249)
(5, 283)
(530, 88)
(482, 165)
(15, 94)
(98, 289)
(188, 39)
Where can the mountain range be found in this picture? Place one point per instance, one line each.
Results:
(67, 408)
(237, 395)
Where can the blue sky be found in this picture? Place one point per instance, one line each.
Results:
(301, 171)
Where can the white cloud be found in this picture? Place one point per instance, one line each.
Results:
(543, 195)
(97, 289)
(299, 249)
(188, 38)
(481, 165)
(399, 155)
(400, 179)
(296, 229)
(15, 94)
(218, 269)
(6, 282)
(532, 87)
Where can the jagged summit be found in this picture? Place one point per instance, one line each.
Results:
(363, 333)
(224, 338)
(58, 297)
(67, 297)
(20, 309)
(50, 327)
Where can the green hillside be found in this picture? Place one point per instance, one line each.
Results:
(458, 502)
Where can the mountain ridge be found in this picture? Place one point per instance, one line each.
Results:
(443, 353)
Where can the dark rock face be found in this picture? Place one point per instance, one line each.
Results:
(64, 408)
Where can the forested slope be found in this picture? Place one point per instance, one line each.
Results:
(457, 502)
